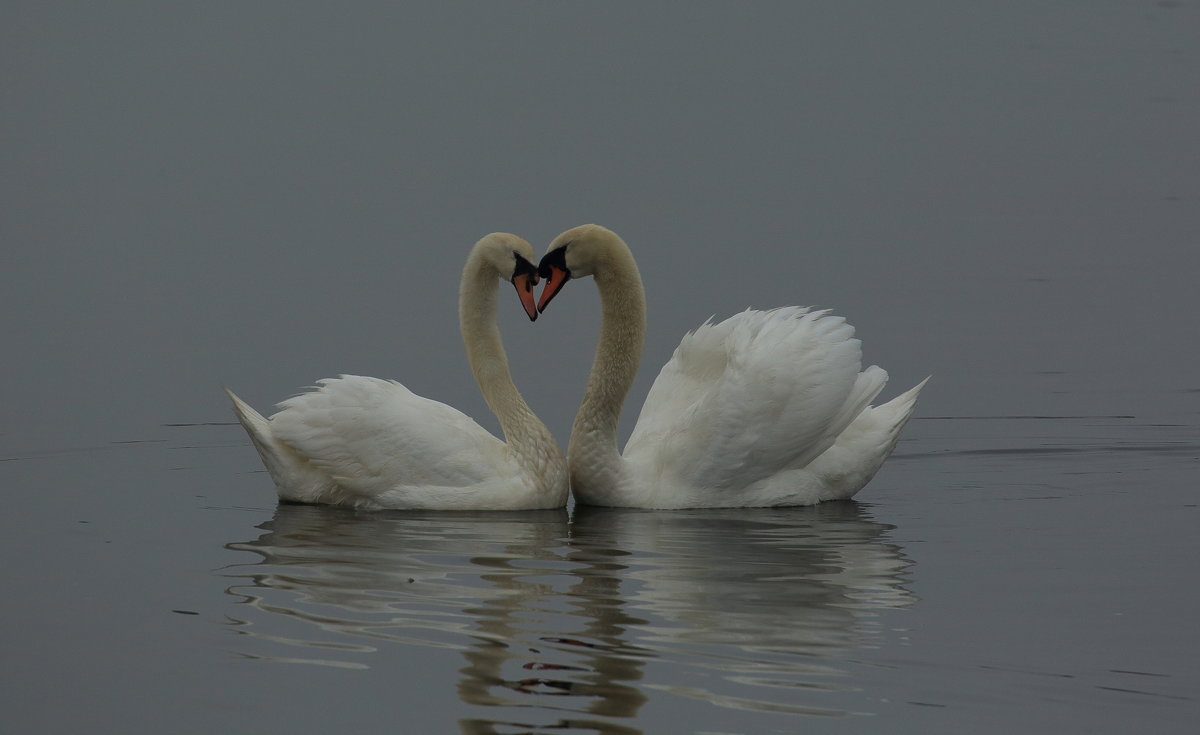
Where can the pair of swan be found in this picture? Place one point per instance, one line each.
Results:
(766, 408)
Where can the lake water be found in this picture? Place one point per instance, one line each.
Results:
(1001, 574)
(1006, 197)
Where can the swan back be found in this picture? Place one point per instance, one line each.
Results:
(759, 393)
(385, 446)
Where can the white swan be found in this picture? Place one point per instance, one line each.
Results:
(372, 443)
(767, 408)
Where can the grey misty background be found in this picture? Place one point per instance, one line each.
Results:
(263, 194)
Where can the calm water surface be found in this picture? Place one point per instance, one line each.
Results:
(592, 615)
(1002, 573)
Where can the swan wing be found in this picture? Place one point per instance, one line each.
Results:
(381, 442)
(695, 367)
(862, 447)
(756, 394)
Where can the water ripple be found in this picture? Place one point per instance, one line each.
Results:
(584, 616)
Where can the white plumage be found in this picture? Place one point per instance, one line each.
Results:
(373, 443)
(766, 408)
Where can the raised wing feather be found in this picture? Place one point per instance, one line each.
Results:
(758, 393)
(375, 436)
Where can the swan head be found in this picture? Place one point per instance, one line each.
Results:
(580, 251)
(512, 258)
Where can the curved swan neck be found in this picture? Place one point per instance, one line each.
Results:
(488, 361)
(618, 353)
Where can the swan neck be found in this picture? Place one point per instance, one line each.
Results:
(618, 353)
(489, 362)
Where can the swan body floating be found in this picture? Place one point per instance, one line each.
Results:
(372, 443)
(766, 408)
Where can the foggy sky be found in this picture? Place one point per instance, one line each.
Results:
(261, 195)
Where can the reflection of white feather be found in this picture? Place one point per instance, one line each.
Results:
(773, 599)
(373, 443)
(766, 408)
(799, 581)
(362, 582)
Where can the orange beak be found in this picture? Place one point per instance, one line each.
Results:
(524, 283)
(556, 278)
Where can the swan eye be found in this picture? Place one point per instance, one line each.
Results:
(556, 258)
(523, 267)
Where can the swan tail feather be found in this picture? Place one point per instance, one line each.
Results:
(847, 466)
(295, 478)
(867, 386)
(902, 407)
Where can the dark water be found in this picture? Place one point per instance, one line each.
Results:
(1005, 196)
(1002, 573)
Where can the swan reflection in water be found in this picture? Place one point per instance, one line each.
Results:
(573, 616)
